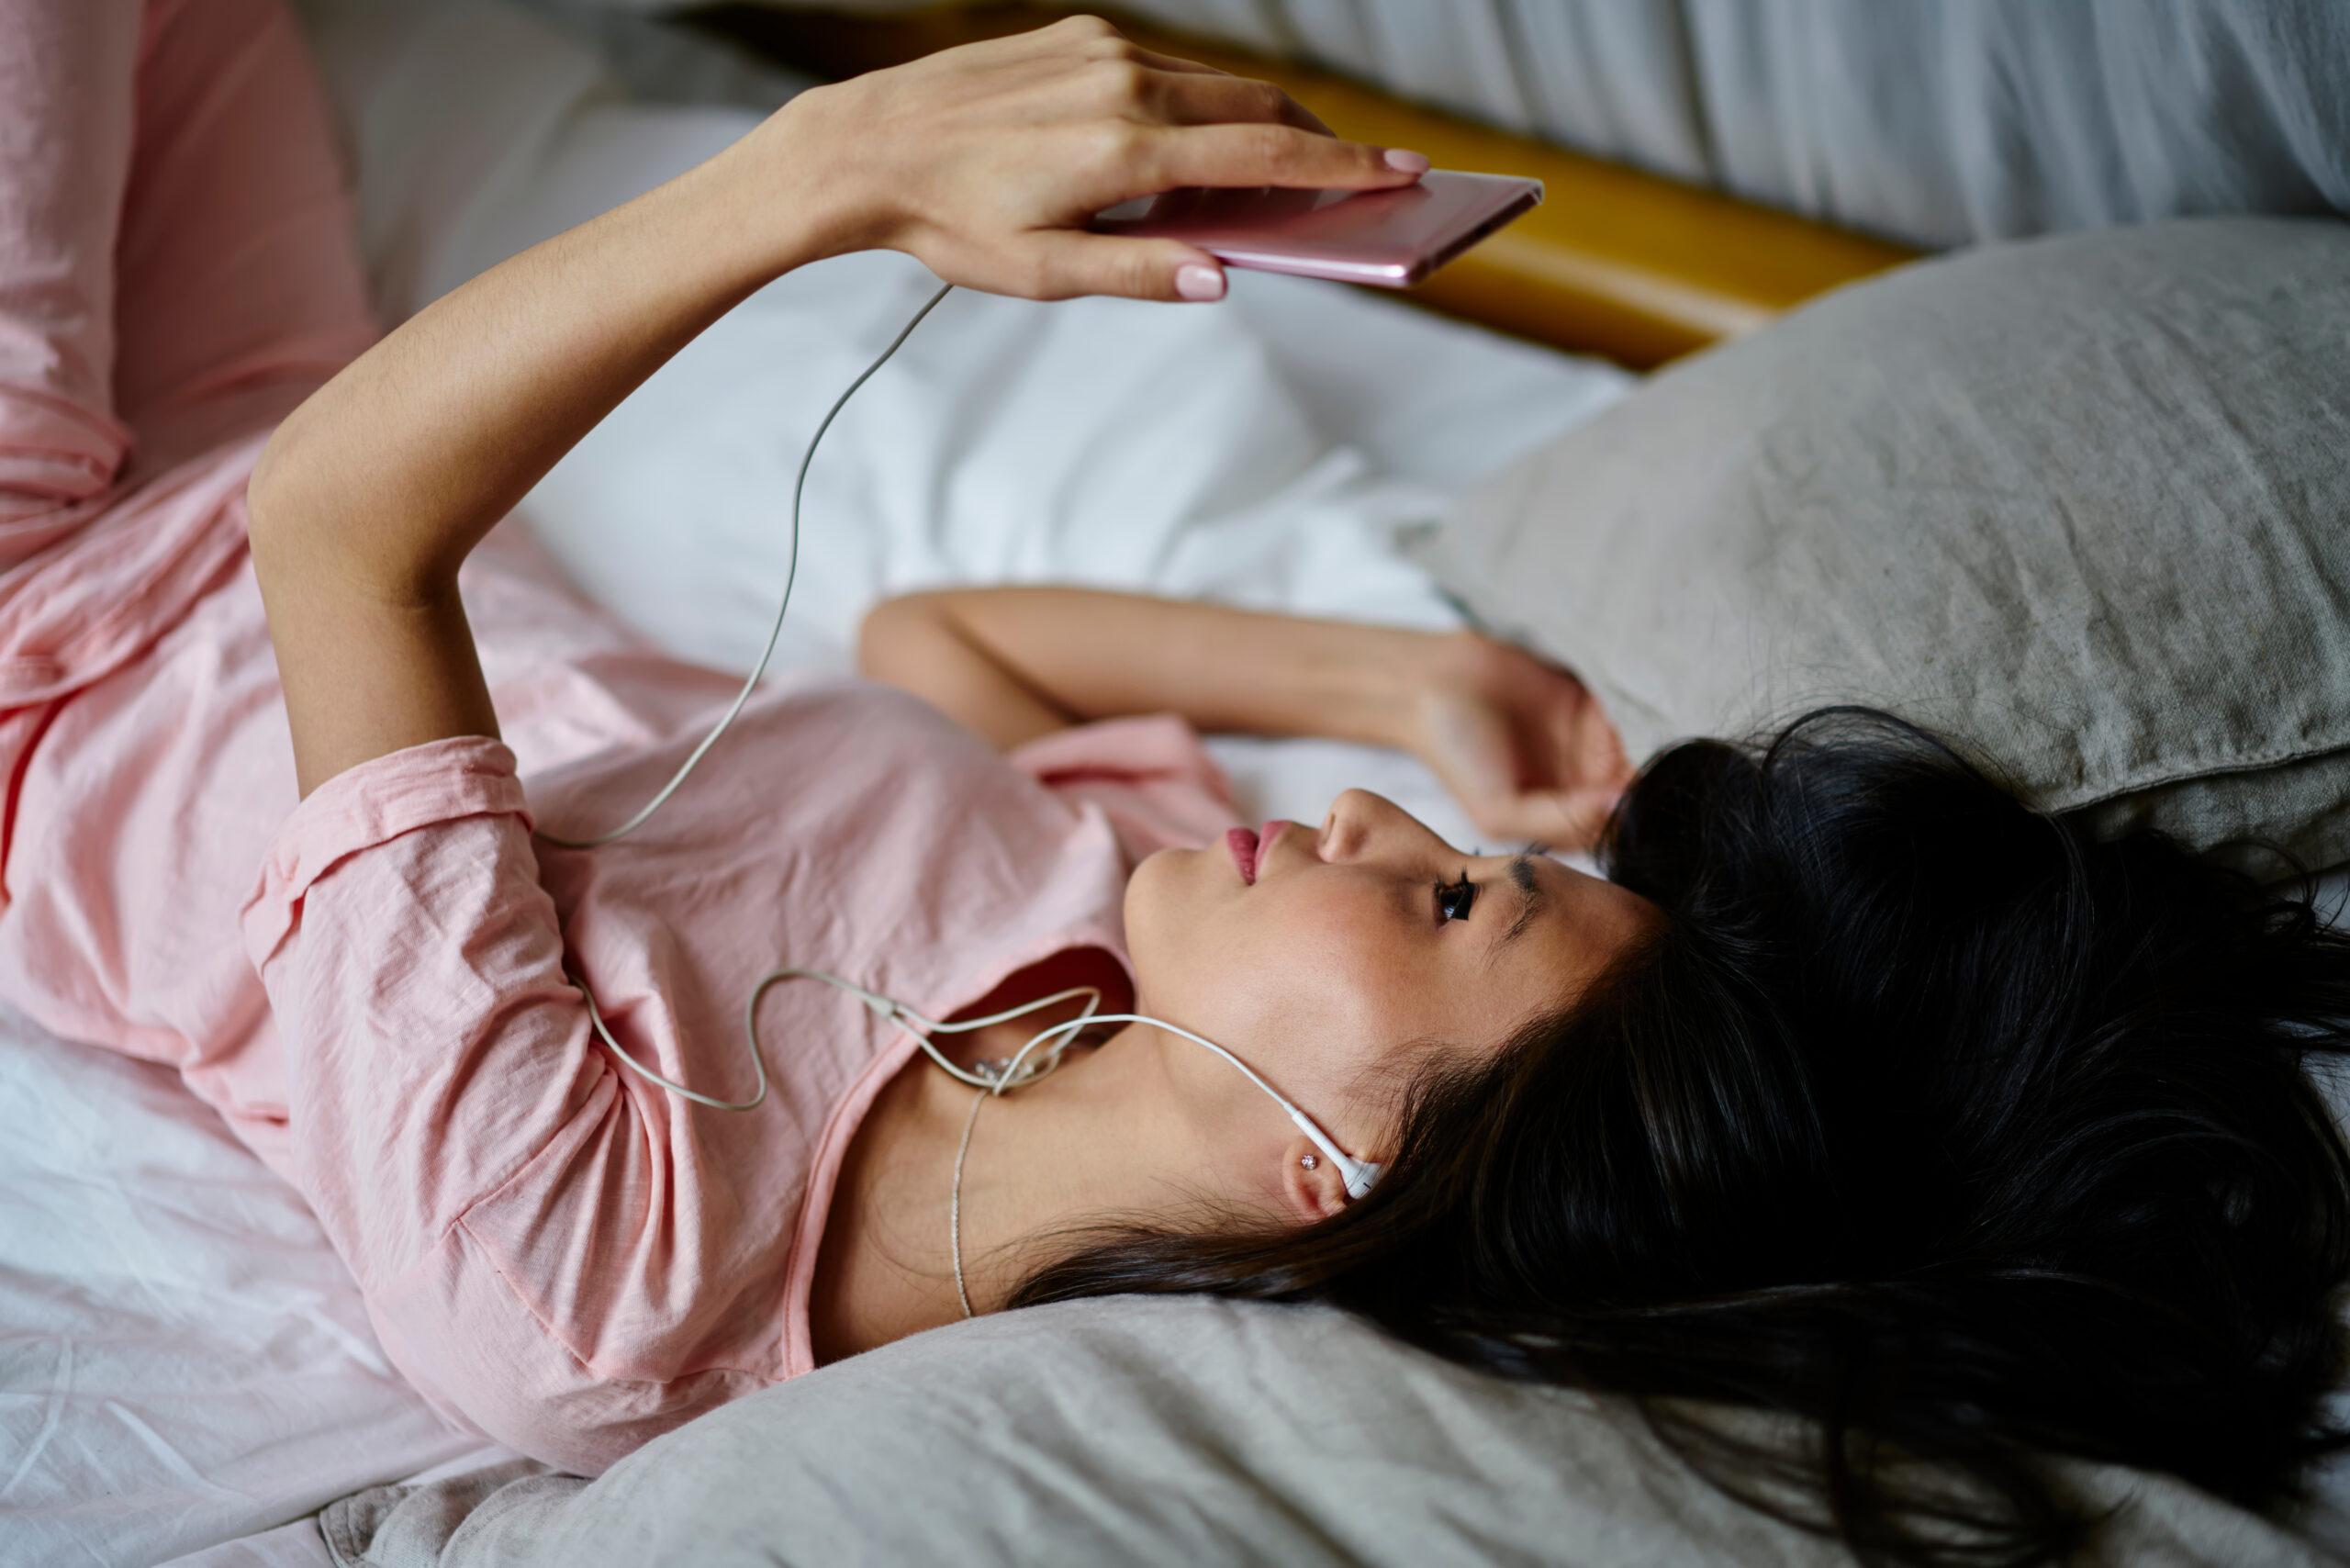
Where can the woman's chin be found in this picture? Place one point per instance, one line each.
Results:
(1149, 888)
(1169, 896)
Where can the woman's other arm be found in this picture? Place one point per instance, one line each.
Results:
(1016, 663)
(1522, 745)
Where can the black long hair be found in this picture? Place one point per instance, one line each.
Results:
(1930, 1117)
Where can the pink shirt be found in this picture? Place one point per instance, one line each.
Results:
(555, 1251)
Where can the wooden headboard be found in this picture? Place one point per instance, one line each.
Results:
(1615, 262)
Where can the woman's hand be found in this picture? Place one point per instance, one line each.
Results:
(986, 161)
(1521, 744)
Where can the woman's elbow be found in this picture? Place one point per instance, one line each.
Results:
(309, 529)
(264, 491)
(891, 638)
(277, 494)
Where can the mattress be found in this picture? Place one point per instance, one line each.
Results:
(185, 1369)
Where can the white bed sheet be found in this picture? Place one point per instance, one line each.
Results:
(186, 1371)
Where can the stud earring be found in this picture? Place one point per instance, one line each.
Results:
(1310, 1162)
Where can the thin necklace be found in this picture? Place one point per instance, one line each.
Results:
(954, 1200)
(955, 1194)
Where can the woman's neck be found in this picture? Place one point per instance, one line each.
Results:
(1104, 1138)
(1119, 1132)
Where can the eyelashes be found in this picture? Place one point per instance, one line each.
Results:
(1453, 899)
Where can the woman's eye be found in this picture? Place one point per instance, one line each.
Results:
(1453, 899)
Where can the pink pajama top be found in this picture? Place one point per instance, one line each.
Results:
(374, 987)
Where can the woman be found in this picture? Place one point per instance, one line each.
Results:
(555, 1249)
(1861, 1091)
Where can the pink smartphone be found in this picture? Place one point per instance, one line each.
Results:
(1391, 238)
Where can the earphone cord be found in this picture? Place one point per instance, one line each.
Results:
(775, 634)
(1360, 1174)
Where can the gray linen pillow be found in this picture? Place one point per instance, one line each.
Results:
(1174, 1432)
(2083, 503)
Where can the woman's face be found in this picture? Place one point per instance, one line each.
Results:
(1358, 942)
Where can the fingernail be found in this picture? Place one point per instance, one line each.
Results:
(1409, 162)
(1193, 280)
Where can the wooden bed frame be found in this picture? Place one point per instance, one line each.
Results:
(1615, 262)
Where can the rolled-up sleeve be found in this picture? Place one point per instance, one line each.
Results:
(1149, 773)
(438, 1056)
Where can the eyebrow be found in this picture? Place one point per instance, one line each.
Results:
(1530, 899)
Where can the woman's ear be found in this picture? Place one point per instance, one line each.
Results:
(1311, 1182)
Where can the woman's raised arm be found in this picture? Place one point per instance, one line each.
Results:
(369, 497)
(985, 161)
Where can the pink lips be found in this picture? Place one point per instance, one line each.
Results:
(1249, 849)
(1243, 845)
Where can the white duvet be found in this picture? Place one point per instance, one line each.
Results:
(184, 1366)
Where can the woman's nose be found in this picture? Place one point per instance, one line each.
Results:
(1357, 820)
